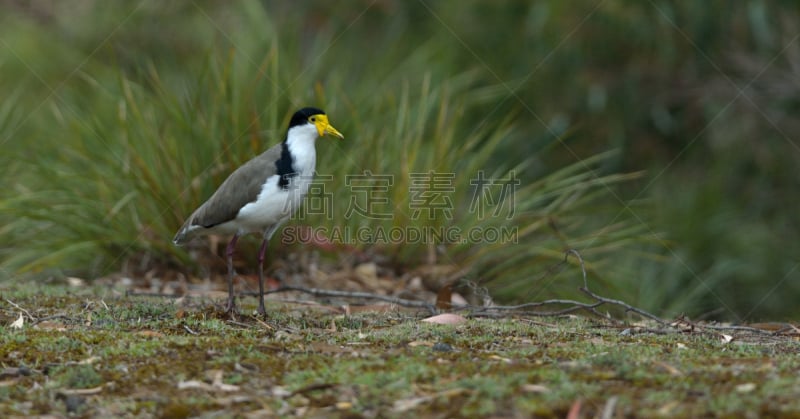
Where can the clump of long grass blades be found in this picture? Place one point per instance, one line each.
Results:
(520, 229)
(126, 154)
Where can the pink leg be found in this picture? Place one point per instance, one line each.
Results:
(231, 306)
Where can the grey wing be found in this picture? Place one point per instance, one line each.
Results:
(238, 190)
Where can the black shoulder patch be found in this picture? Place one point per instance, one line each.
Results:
(285, 171)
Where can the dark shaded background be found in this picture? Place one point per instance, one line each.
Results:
(702, 96)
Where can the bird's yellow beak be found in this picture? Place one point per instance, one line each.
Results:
(324, 127)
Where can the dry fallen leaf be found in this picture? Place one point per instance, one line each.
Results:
(609, 407)
(746, 387)
(261, 413)
(446, 318)
(215, 376)
(219, 385)
(575, 410)
(18, 323)
(405, 405)
(457, 300)
(666, 410)
(81, 391)
(226, 387)
(228, 401)
(669, 368)
(445, 297)
(195, 384)
(281, 392)
(75, 282)
(534, 388)
(500, 358)
(216, 383)
(183, 385)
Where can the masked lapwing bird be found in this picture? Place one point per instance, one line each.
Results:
(263, 193)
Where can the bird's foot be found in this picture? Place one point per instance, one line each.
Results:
(230, 307)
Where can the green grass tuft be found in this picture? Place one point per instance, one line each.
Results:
(115, 125)
(127, 153)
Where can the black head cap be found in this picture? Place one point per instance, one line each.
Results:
(301, 117)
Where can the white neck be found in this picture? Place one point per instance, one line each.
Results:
(301, 141)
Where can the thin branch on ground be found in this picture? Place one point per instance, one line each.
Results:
(496, 311)
(574, 306)
(626, 306)
(577, 305)
(354, 294)
(731, 328)
(130, 293)
(240, 324)
(27, 313)
(188, 329)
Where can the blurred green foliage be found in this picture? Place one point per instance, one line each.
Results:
(117, 118)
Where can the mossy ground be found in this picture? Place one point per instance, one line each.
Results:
(97, 353)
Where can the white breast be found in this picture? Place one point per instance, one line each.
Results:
(275, 204)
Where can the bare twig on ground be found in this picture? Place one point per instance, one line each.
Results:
(130, 293)
(240, 324)
(27, 313)
(188, 329)
(356, 294)
(684, 321)
(577, 305)
(490, 310)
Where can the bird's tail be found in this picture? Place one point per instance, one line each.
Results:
(182, 236)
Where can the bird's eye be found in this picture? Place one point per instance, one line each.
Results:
(313, 119)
